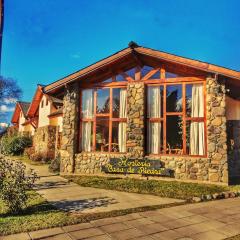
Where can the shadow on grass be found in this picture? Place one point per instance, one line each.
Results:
(83, 204)
(35, 209)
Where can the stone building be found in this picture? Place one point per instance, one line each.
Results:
(46, 112)
(148, 105)
(20, 119)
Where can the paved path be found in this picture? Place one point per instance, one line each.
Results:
(71, 197)
(203, 221)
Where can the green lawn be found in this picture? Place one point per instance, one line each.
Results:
(39, 214)
(25, 159)
(172, 189)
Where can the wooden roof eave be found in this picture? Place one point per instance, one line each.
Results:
(88, 70)
(35, 102)
(203, 66)
(170, 58)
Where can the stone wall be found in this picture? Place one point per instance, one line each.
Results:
(135, 119)
(216, 131)
(44, 141)
(213, 168)
(70, 128)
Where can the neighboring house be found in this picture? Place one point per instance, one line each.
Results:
(145, 104)
(47, 112)
(20, 119)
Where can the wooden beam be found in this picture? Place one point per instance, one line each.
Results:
(149, 74)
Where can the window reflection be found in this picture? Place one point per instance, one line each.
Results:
(103, 100)
(102, 134)
(174, 135)
(174, 98)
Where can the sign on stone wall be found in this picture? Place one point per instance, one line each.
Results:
(136, 166)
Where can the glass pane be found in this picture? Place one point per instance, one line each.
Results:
(103, 100)
(174, 135)
(116, 102)
(102, 134)
(145, 70)
(171, 75)
(131, 73)
(194, 100)
(174, 98)
(87, 103)
(155, 137)
(87, 132)
(119, 103)
(108, 80)
(119, 134)
(155, 102)
(195, 140)
(120, 78)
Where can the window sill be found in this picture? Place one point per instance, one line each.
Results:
(96, 152)
(176, 155)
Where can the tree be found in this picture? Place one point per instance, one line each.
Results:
(9, 93)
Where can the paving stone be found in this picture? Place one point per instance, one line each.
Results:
(45, 233)
(86, 233)
(139, 222)
(101, 237)
(114, 227)
(58, 237)
(152, 228)
(209, 235)
(106, 221)
(19, 236)
(196, 219)
(176, 224)
(229, 230)
(76, 227)
(190, 230)
(167, 235)
(127, 234)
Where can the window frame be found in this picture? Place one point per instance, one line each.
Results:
(183, 113)
(109, 115)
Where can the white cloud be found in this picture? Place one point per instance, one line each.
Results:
(5, 108)
(9, 100)
(3, 125)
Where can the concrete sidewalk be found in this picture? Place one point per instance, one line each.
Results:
(203, 221)
(71, 197)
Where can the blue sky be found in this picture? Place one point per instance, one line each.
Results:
(45, 40)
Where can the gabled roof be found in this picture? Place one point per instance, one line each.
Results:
(134, 52)
(35, 101)
(20, 107)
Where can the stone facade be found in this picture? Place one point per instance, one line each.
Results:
(213, 167)
(70, 128)
(44, 141)
(135, 120)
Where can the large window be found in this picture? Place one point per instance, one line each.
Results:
(175, 118)
(103, 120)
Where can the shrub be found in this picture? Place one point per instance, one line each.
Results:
(29, 151)
(55, 165)
(14, 184)
(41, 157)
(15, 145)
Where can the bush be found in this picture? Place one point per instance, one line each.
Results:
(15, 145)
(41, 157)
(29, 152)
(55, 165)
(14, 184)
